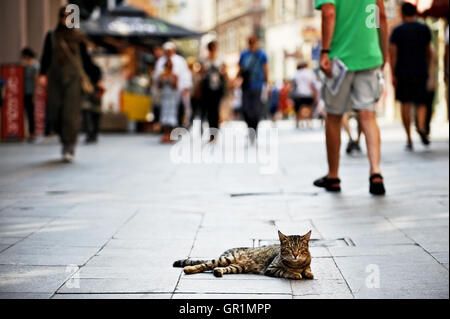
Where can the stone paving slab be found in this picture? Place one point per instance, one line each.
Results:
(25, 296)
(32, 279)
(320, 287)
(411, 272)
(156, 284)
(112, 296)
(46, 256)
(124, 213)
(232, 296)
(217, 286)
(326, 296)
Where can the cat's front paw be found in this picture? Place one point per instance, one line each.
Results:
(308, 275)
(218, 273)
(294, 276)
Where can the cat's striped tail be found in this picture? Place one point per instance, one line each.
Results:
(187, 262)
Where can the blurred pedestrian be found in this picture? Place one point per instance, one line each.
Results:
(236, 91)
(305, 94)
(353, 143)
(226, 105)
(92, 105)
(284, 101)
(181, 70)
(63, 65)
(253, 70)
(363, 51)
(196, 69)
(31, 74)
(170, 98)
(431, 91)
(213, 87)
(274, 99)
(158, 52)
(411, 56)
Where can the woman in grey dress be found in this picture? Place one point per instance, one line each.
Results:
(168, 84)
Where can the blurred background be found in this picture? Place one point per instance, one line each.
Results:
(125, 33)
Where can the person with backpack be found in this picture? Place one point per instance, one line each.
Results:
(63, 68)
(212, 87)
(253, 70)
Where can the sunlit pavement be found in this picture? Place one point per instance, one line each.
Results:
(111, 224)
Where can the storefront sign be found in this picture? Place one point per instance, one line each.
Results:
(12, 109)
(40, 104)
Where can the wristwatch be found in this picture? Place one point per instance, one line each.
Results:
(324, 51)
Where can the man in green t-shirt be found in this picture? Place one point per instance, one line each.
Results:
(356, 33)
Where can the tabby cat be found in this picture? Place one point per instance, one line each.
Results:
(290, 259)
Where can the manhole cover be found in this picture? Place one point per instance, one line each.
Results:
(339, 242)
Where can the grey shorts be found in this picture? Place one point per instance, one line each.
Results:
(360, 90)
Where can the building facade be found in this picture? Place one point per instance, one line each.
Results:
(292, 33)
(236, 20)
(25, 23)
(288, 30)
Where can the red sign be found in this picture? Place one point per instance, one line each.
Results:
(40, 104)
(12, 109)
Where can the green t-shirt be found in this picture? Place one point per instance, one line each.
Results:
(355, 40)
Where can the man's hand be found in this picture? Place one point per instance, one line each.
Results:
(326, 65)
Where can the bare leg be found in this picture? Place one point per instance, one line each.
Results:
(359, 132)
(298, 119)
(333, 137)
(421, 113)
(406, 119)
(306, 115)
(373, 140)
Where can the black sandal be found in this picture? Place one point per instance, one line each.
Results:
(377, 189)
(328, 184)
(424, 137)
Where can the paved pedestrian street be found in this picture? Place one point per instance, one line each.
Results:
(111, 224)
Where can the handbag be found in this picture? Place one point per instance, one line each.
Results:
(86, 84)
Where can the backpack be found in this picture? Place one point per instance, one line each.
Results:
(246, 73)
(213, 80)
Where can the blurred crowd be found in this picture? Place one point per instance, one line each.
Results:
(186, 89)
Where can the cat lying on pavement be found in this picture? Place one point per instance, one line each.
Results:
(290, 259)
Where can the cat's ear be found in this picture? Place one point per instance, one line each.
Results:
(283, 237)
(307, 237)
